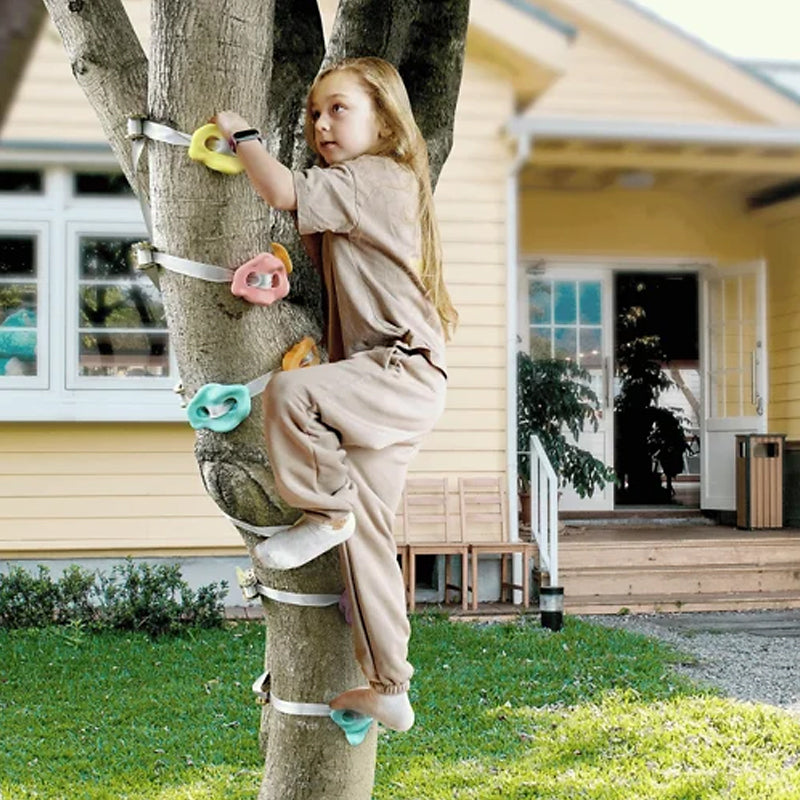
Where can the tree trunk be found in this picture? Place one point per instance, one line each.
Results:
(207, 56)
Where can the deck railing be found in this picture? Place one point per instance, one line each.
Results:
(544, 509)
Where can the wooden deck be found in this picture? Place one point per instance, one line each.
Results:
(609, 568)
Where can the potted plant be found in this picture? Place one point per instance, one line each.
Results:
(555, 402)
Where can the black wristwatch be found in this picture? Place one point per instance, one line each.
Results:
(243, 136)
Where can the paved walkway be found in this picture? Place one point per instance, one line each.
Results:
(750, 655)
(755, 623)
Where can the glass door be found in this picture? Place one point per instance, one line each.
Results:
(736, 376)
(568, 316)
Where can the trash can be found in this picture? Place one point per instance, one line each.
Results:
(759, 480)
(791, 484)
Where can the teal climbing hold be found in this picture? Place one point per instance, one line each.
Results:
(219, 407)
(354, 725)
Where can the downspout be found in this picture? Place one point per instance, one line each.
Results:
(524, 142)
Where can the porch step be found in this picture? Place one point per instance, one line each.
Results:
(632, 515)
(680, 580)
(658, 604)
(675, 549)
(683, 568)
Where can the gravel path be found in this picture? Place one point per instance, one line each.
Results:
(750, 655)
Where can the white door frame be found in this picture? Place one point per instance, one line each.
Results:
(604, 446)
(572, 266)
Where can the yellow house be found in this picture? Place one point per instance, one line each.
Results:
(592, 142)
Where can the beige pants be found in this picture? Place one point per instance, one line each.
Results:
(340, 437)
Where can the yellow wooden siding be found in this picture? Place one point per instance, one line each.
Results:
(694, 224)
(783, 326)
(49, 105)
(105, 489)
(471, 204)
(605, 80)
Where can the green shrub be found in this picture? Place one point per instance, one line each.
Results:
(76, 596)
(134, 597)
(26, 600)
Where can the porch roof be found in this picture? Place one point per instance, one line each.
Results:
(595, 153)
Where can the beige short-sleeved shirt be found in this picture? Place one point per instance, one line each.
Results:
(366, 212)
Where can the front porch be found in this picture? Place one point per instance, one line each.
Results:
(608, 568)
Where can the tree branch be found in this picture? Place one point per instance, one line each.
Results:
(298, 49)
(424, 39)
(22, 22)
(109, 64)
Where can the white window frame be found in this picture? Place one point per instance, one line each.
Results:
(73, 380)
(40, 233)
(59, 217)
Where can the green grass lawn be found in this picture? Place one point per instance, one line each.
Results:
(504, 712)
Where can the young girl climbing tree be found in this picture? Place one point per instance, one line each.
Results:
(259, 56)
(340, 435)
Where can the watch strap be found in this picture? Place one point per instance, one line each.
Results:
(244, 136)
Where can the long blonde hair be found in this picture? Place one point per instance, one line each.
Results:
(404, 144)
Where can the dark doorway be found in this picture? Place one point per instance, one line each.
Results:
(657, 389)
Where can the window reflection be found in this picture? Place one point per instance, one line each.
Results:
(566, 321)
(18, 306)
(122, 328)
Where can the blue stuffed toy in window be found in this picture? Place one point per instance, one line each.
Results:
(18, 347)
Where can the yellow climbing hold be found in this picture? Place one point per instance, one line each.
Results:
(210, 147)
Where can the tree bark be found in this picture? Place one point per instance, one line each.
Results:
(424, 39)
(257, 57)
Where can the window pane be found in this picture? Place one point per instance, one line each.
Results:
(18, 297)
(591, 347)
(566, 311)
(539, 301)
(124, 355)
(590, 303)
(565, 343)
(20, 181)
(106, 258)
(122, 327)
(102, 183)
(121, 305)
(17, 256)
(540, 342)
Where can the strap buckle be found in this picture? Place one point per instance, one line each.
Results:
(145, 255)
(135, 127)
(248, 583)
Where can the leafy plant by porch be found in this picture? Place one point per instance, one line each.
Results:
(504, 712)
(650, 439)
(555, 402)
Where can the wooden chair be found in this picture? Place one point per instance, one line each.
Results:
(483, 513)
(427, 531)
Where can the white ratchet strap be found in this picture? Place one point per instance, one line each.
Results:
(261, 688)
(251, 588)
(139, 131)
(257, 385)
(299, 709)
(147, 255)
(261, 530)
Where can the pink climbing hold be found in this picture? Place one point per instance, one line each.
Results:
(262, 280)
